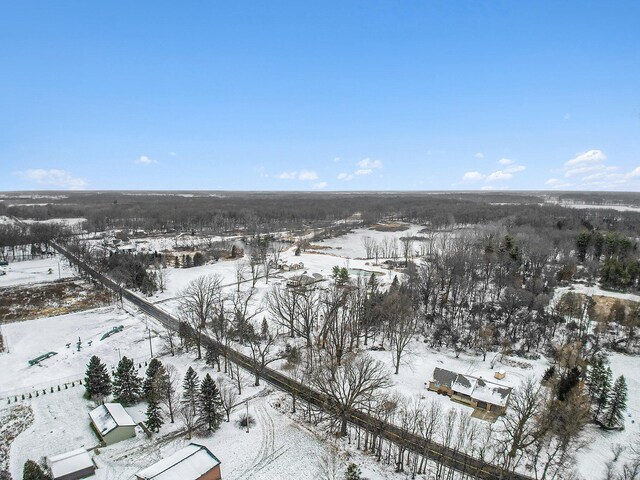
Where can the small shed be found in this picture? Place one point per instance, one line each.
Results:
(112, 423)
(500, 374)
(71, 465)
(193, 462)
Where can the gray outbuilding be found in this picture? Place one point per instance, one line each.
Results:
(71, 465)
(112, 423)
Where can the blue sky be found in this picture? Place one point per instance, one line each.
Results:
(320, 95)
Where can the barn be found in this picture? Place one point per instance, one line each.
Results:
(112, 423)
(71, 465)
(193, 462)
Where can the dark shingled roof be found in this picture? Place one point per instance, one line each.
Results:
(444, 377)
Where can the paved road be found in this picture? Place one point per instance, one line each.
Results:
(459, 461)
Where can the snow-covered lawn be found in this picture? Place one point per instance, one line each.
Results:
(277, 447)
(27, 340)
(592, 459)
(36, 271)
(350, 245)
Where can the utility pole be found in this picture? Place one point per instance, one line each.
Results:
(247, 417)
(150, 346)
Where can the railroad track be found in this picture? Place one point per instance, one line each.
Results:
(439, 453)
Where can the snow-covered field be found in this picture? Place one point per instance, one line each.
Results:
(72, 222)
(619, 208)
(592, 459)
(350, 245)
(278, 447)
(36, 271)
(27, 340)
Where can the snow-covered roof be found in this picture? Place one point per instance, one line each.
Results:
(464, 384)
(190, 463)
(70, 462)
(109, 416)
(491, 392)
(477, 388)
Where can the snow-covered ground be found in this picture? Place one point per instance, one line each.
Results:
(276, 447)
(619, 208)
(72, 222)
(350, 245)
(36, 271)
(27, 340)
(592, 459)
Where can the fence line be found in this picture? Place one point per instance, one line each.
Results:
(62, 383)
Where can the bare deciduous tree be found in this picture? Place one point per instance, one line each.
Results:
(198, 305)
(351, 385)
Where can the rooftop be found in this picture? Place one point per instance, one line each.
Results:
(190, 463)
(109, 416)
(70, 462)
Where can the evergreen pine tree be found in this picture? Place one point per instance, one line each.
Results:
(97, 381)
(602, 392)
(567, 382)
(594, 378)
(549, 374)
(353, 472)
(126, 383)
(147, 385)
(613, 417)
(33, 471)
(154, 413)
(190, 389)
(210, 405)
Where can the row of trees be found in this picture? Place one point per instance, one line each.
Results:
(201, 404)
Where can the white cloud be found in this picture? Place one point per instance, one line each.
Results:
(473, 176)
(634, 173)
(479, 155)
(144, 160)
(336, 160)
(505, 161)
(588, 170)
(287, 175)
(345, 176)
(320, 185)
(303, 175)
(52, 177)
(557, 183)
(499, 175)
(515, 168)
(367, 164)
(363, 171)
(590, 156)
(307, 175)
(172, 154)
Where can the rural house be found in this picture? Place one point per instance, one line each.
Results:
(112, 423)
(71, 465)
(303, 280)
(473, 391)
(193, 462)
